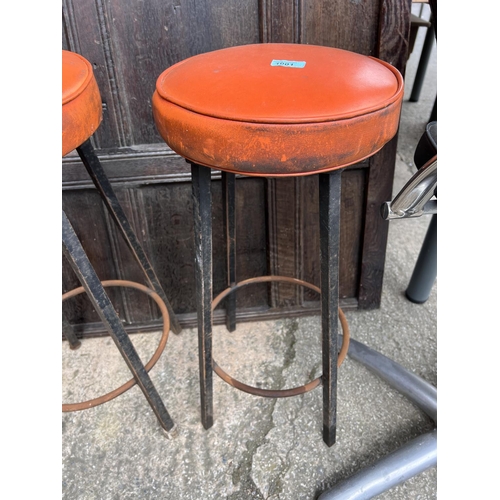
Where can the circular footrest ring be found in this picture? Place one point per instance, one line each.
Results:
(161, 346)
(278, 393)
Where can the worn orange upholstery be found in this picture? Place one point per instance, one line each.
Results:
(81, 101)
(313, 109)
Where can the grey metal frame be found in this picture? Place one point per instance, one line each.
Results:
(425, 270)
(412, 458)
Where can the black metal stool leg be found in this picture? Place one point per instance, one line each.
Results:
(229, 204)
(329, 221)
(202, 212)
(433, 116)
(69, 333)
(423, 63)
(76, 256)
(101, 181)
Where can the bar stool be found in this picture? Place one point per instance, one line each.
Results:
(275, 110)
(81, 116)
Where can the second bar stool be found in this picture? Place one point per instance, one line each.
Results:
(276, 110)
(81, 116)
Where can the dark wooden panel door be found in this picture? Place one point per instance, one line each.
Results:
(129, 44)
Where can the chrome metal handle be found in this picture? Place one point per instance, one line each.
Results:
(414, 199)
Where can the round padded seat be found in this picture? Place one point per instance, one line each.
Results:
(278, 109)
(81, 101)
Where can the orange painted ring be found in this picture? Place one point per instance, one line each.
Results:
(161, 346)
(279, 393)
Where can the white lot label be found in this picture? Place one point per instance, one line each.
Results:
(288, 64)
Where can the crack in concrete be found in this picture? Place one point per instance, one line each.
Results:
(293, 440)
(314, 370)
(292, 326)
(293, 445)
(242, 473)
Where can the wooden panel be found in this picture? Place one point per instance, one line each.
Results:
(346, 25)
(351, 226)
(294, 230)
(88, 34)
(84, 207)
(392, 47)
(149, 36)
(336, 24)
(280, 21)
(285, 209)
(129, 44)
(251, 240)
(394, 37)
(161, 216)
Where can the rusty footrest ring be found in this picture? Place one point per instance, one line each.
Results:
(279, 393)
(161, 346)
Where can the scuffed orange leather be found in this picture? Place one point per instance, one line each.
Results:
(81, 101)
(231, 110)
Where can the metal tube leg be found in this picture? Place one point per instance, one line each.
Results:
(202, 212)
(101, 181)
(425, 271)
(69, 333)
(329, 220)
(76, 256)
(423, 63)
(434, 111)
(416, 389)
(411, 459)
(229, 204)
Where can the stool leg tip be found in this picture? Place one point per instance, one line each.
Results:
(177, 329)
(329, 436)
(172, 433)
(207, 421)
(415, 300)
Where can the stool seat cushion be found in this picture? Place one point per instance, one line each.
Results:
(278, 109)
(81, 101)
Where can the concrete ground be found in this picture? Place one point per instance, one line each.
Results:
(260, 448)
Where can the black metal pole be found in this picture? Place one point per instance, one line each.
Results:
(80, 263)
(329, 222)
(433, 116)
(103, 186)
(69, 333)
(423, 63)
(425, 270)
(202, 212)
(229, 204)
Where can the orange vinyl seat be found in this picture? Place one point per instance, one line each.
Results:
(274, 110)
(278, 109)
(81, 101)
